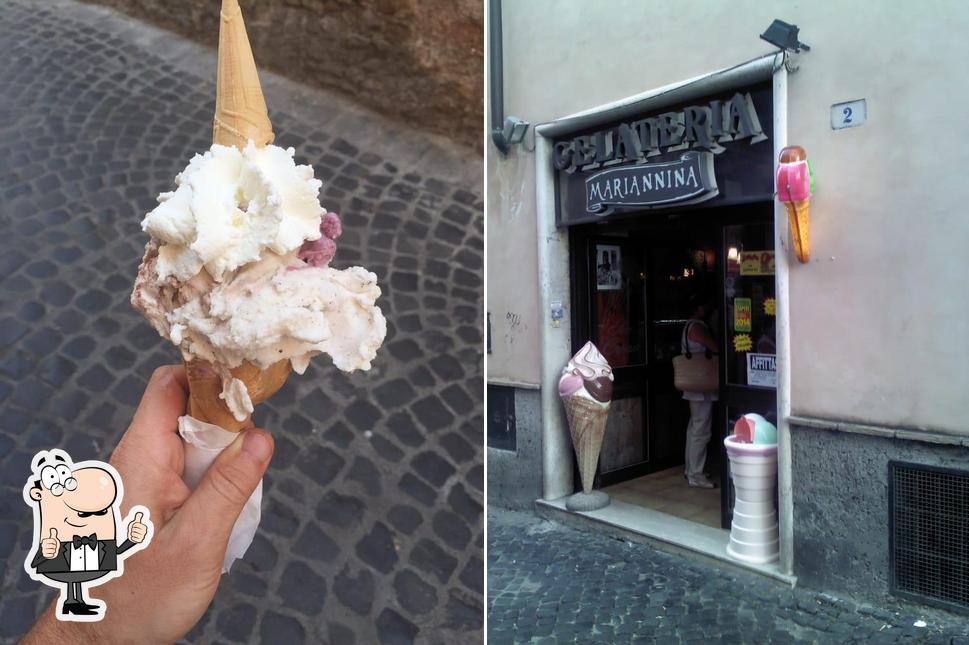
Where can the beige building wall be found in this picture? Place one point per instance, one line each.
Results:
(512, 268)
(880, 316)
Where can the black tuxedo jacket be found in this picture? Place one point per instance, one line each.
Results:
(108, 553)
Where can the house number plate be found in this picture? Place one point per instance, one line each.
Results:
(848, 115)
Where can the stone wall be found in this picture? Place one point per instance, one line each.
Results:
(840, 487)
(515, 476)
(419, 61)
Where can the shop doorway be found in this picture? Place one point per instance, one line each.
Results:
(631, 297)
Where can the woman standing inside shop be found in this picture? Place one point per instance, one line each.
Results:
(697, 339)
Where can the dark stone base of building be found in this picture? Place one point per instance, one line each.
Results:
(515, 471)
(842, 513)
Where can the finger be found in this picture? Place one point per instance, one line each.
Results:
(163, 402)
(53, 534)
(212, 509)
(138, 517)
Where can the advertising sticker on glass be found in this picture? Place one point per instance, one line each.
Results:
(608, 267)
(741, 314)
(762, 370)
(757, 263)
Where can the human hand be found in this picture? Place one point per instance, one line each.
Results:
(50, 545)
(136, 530)
(168, 585)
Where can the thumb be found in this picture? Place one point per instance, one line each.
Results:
(138, 517)
(53, 534)
(212, 509)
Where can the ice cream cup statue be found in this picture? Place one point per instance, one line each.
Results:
(586, 391)
(752, 449)
(795, 183)
(236, 273)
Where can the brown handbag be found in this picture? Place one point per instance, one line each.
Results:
(695, 373)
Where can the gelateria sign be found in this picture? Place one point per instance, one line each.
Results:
(664, 160)
(688, 179)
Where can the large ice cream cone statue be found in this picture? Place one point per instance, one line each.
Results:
(240, 116)
(586, 392)
(794, 191)
(587, 425)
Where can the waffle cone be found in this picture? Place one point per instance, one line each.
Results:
(587, 425)
(798, 214)
(205, 386)
(240, 115)
(240, 109)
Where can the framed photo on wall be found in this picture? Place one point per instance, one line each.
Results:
(608, 267)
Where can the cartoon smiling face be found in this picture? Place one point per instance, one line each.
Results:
(75, 502)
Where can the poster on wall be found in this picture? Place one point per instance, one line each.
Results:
(757, 263)
(608, 267)
(762, 370)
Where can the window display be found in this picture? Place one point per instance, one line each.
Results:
(750, 306)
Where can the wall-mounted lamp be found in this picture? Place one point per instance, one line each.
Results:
(512, 131)
(733, 254)
(795, 183)
(505, 132)
(784, 36)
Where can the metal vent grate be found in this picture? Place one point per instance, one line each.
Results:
(929, 527)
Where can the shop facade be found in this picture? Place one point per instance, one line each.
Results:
(637, 203)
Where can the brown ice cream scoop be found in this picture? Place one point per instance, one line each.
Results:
(791, 154)
(599, 389)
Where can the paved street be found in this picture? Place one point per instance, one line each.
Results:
(548, 583)
(372, 528)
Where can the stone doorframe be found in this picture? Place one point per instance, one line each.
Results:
(553, 271)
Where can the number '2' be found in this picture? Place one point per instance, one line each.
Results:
(847, 115)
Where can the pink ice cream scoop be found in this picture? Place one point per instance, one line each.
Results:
(570, 384)
(743, 430)
(318, 253)
(793, 181)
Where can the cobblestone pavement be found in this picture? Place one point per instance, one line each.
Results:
(548, 583)
(372, 528)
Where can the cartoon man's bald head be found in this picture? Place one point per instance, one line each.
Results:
(72, 501)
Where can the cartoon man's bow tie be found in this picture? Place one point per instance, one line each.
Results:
(80, 540)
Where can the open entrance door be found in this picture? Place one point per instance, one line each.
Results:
(631, 298)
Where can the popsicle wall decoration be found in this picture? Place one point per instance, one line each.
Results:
(795, 183)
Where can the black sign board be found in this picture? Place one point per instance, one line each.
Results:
(687, 180)
(716, 151)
